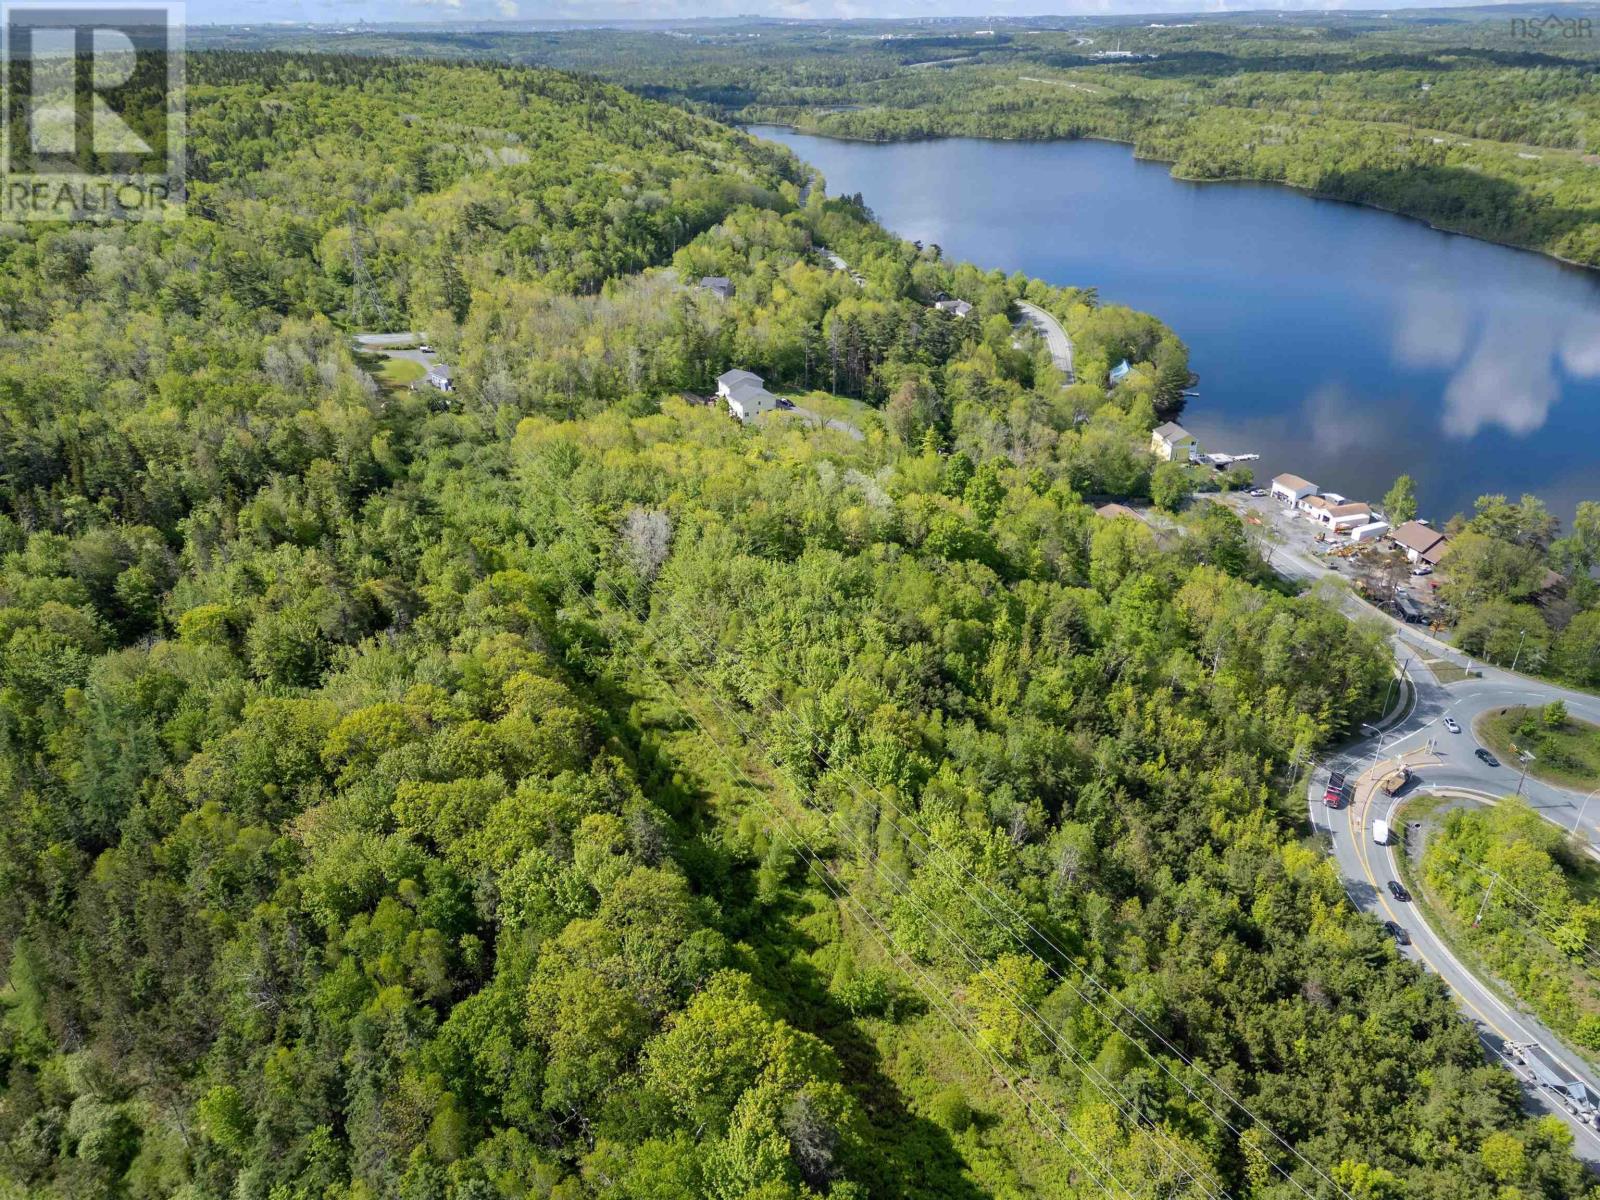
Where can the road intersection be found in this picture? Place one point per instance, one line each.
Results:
(1445, 763)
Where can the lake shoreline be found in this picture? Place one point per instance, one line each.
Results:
(1336, 341)
(1173, 173)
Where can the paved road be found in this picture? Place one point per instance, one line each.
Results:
(397, 345)
(1368, 868)
(1445, 762)
(386, 341)
(1055, 337)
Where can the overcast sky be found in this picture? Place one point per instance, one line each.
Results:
(340, 11)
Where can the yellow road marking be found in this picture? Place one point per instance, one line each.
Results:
(1360, 833)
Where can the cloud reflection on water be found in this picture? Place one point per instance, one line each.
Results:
(1503, 364)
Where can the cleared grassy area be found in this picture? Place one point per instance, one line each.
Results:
(400, 372)
(1444, 670)
(1567, 754)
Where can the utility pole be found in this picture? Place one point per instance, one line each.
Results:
(361, 285)
(1487, 892)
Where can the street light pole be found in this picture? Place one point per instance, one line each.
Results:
(1378, 753)
(1524, 758)
(1583, 808)
(1518, 656)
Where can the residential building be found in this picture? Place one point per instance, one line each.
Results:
(1112, 511)
(956, 308)
(1345, 516)
(718, 285)
(745, 394)
(1422, 543)
(1173, 441)
(442, 377)
(1291, 488)
(1120, 372)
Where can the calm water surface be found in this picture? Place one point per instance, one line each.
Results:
(1341, 343)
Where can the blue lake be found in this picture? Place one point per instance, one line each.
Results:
(1341, 343)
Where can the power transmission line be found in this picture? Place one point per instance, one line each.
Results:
(1052, 969)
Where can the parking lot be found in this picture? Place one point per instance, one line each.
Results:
(1289, 541)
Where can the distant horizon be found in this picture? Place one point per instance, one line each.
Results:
(576, 14)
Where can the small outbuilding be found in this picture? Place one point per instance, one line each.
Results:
(1369, 532)
(719, 286)
(442, 377)
(1120, 372)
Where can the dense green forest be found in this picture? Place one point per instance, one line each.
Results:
(557, 789)
(1465, 119)
(1522, 898)
(1519, 594)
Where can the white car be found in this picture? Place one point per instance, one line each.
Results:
(425, 348)
(1419, 572)
(1450, 724)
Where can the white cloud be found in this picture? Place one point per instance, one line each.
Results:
(1433, 330)
(1508, 381)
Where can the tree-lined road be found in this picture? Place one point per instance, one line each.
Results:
(1445, 762)
(1055, 337)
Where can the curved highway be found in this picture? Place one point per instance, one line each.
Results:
(1442, 761)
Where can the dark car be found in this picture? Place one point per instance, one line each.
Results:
(1398, 890)
(1400, 936)
(1488, 759)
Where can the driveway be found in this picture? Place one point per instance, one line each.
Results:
(818, 420)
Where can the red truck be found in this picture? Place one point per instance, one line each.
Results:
(1334, 796)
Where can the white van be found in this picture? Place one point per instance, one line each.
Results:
(1380, 832)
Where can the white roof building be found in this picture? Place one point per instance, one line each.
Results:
(745, 394)
(1292, 488)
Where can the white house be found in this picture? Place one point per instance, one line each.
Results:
(442, 377)
(958, 308)
(1346, 516)
(745, 395)
(1173, 441)
(1292, 488)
